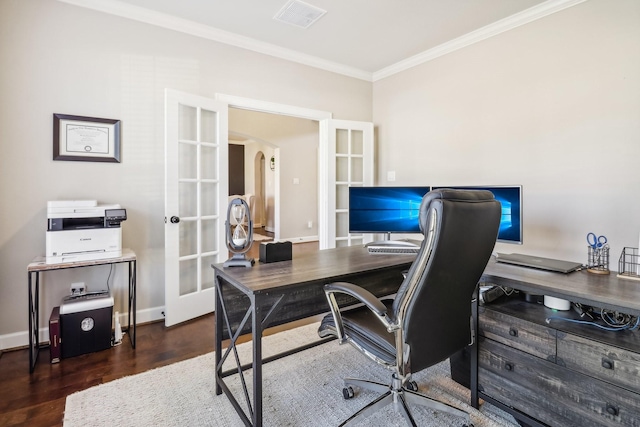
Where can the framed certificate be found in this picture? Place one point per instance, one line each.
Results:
(86, 139)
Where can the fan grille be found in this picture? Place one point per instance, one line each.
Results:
(299, 13)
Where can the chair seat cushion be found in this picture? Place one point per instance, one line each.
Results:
(363, 328)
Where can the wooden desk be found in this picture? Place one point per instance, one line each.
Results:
(38, 266)
(602, 290)
(252, 299)
(558, 372)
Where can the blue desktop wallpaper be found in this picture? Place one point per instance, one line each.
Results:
(385, 209)
(511, 221)
(396, 209)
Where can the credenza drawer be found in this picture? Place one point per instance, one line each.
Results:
(612, 364)
(517, 333)
(550, 393)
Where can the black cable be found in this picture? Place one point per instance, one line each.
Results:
(109, 277)
(494, 293)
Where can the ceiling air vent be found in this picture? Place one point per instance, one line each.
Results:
(299, 13)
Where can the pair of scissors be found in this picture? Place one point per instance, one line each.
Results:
(596, 242)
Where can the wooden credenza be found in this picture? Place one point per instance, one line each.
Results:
(557, 372)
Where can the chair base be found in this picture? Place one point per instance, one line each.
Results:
(399, 396)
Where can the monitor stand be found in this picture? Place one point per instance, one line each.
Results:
(400, 243)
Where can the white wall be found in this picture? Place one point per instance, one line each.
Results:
(553, 105)
(59, 58)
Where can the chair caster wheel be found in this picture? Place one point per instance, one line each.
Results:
(468, 425)
(347, 392)
(412, 385)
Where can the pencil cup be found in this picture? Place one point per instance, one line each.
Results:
(598, 260)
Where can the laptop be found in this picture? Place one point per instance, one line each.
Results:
(549, 264)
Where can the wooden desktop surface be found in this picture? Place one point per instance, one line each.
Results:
(324, 265)
(600, 290)
(329, 265)
(300, 282)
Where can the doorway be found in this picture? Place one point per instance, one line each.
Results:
(236, 102)
(197, 128)
(281, 170)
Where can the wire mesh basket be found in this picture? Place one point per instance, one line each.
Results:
(598, 260)
(629, 264)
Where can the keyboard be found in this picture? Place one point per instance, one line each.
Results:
(389, 250)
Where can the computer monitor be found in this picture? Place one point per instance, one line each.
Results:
(510, 197)
(385, 209)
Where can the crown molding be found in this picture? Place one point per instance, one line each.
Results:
(526, 16)
(125, 10)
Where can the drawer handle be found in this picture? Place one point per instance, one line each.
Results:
(513, 332)
(612, 410)
(607, 364)
(508, 366)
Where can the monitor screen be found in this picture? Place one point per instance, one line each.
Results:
(385, 209)
(510, 197)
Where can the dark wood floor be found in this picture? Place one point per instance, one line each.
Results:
(38, 399)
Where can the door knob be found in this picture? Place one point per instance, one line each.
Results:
(175, 220)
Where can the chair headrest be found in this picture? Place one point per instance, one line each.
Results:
(453, 195)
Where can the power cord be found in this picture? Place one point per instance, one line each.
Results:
(618, 320)
(109, 277)
(621, 322)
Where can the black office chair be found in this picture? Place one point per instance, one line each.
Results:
(430, 317)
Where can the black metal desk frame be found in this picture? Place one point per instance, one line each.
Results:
(39, 266)
(255, 313)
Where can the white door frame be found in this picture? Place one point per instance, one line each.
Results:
(285, 110)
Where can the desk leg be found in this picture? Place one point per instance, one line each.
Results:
(218, 332)
(260, 308)
(256, 327)
(132, 302)
(34, 320)
(474, 351)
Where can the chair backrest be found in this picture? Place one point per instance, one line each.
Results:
(433, 304)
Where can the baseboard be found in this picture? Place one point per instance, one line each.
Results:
(303, 239)
(19, 340)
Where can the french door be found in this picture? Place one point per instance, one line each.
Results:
(346, 159)
(196, 192)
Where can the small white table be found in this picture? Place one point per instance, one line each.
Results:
(38, 265)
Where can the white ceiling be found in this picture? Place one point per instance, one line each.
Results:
(367, 39)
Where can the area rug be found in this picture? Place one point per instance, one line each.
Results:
(304, 389)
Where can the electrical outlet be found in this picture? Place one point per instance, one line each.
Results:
(78, 288)
(310, 224)
(391, 176)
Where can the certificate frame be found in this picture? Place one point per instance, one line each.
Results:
(86, 139)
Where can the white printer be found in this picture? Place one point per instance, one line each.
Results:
(81, 230)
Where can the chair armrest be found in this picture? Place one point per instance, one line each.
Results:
(361, 294)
